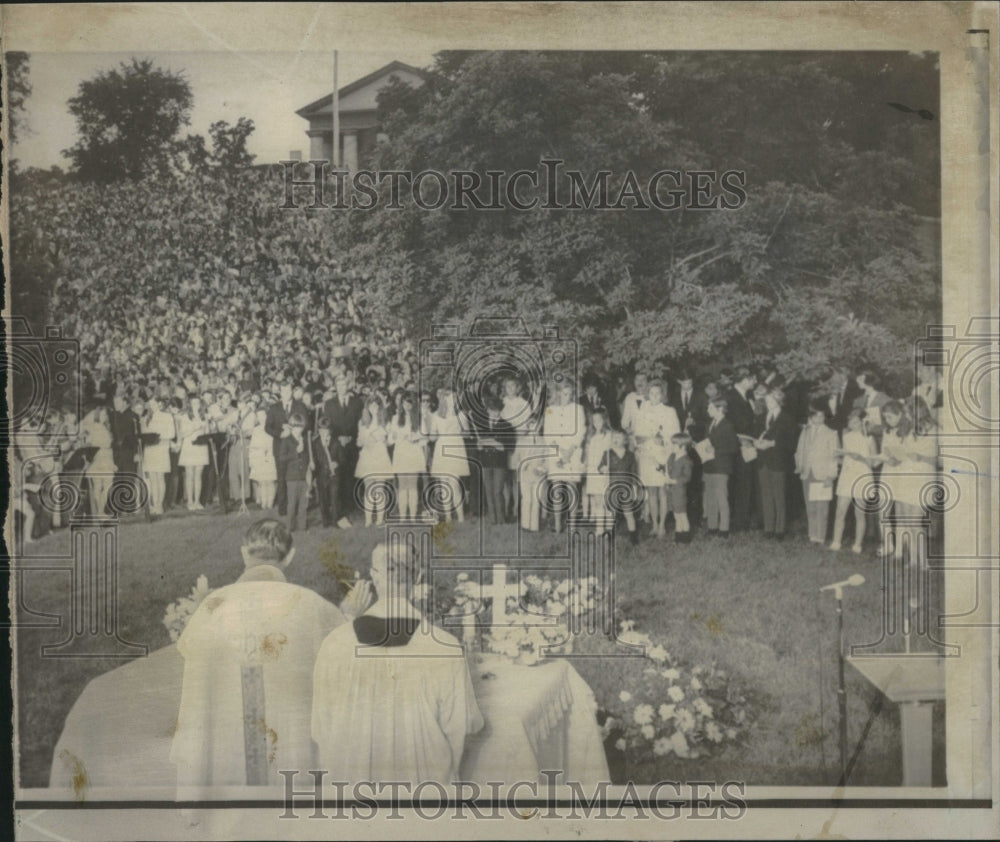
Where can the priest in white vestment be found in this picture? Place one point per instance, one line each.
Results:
(393, 699)
(249, 651)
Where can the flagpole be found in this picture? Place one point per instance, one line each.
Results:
(335, 105)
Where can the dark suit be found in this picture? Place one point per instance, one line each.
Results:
(343, 416)
(842, 405)
(716, 473)
(741, 486)
(494, 463)
(696, 402)
(327, 463)
(125, 440)
(774, 466)
(277, 417)
(698, 415)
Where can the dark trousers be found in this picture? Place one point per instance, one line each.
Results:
(328, 498)
(494, 481)
(772, 499)
(740, 494)
(348, 500)
(173, 482)
(298, 503)
(280, 489)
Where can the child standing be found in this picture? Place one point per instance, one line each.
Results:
(620, 466)
(263, 469)
(816, 464)
(679, 468)
(373, 461)
(857, 455)
(596, 483)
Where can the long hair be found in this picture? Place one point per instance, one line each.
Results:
(591, 429)
(905, 425)
(366, 415)
(414, 413)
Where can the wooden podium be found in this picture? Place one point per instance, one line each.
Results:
(913, 682)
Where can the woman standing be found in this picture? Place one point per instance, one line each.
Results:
(194, 457)
(564, 426)
(816, 465)
(156, 457)
(450, 462)
(101, 469)
(654, 418)
(373, 459)
(595, 452)
(263, 468)
(409, 456)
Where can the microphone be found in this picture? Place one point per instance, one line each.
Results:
(856, 579)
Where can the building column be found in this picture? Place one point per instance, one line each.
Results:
(351, 151)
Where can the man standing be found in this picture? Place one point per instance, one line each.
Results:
(342, 411)
(125, 439)
(249, 651)
(741, 415)
(717, 466)
(294, 453)
(633, 402)
(274, 425)
(495, 441)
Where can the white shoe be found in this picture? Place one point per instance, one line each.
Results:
(835, 546)
(856, 549)
(344, 523)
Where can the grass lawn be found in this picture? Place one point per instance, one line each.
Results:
(748, 604)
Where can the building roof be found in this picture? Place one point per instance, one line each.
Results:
(315, 107)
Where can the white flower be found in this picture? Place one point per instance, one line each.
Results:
(555, 608)
(675, 693)
(730, 733)
(671, 674)
(648, 732)
(713, 733)
(662, 746)
(685, 720)
(666, 712)
(679, 744)
(620, 744)
(695, 684)
(643, 714)
(462, 577)
(658, 654)
(625, 696)
(703, 707)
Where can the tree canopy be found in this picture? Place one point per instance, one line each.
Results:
(824, 263)
(128, 120)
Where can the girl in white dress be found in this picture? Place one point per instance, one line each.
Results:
(373, 459)
(194, 457)
(564, 426)
(532, 467)
(409, 456)
(156, 457)
(263, 470)
(857, 454)
(450, 461)
(651, 419)
(595, 450)
(101, 469)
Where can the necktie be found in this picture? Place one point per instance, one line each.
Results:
(638, 403)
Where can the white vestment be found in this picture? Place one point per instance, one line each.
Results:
(392, 713)
(249, 649)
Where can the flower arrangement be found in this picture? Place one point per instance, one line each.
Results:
(671, 708)
(179, 612)
(527, 633)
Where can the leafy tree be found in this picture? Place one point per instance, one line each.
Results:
(128, 120)
(825, 262)
(229, 143)
(17, 66)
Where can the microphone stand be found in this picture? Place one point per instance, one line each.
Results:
(841, 685)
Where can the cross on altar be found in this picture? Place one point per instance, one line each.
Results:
(498, 590)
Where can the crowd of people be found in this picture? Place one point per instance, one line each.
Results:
(230, 360)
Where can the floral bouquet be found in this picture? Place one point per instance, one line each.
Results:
(528, 634)
(671, 708)
(178, 613)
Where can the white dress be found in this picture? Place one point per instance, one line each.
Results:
(907, 480)
(408, 456)
(374, 454)
(450, 454)
(855, 475)
(262, 466)
(392, 713)
(156, 457)
(192, 455)
(595, 450)
(99, 435)
(649, 420)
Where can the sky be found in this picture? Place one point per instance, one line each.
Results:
(267, 87)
